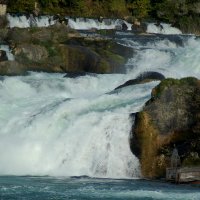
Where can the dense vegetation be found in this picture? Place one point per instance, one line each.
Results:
(184, 14)
(92, 8)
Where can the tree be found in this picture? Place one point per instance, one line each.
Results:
(139, 8)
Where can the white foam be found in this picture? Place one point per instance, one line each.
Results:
(160, 195)
(23, 21)
(75, 23)
(47, 129)
(8, 51)
(87, 23)
(162, 29)
(167, 58)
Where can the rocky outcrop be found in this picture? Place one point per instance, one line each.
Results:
(59, 49)
(3, 21)
(12, 68)
(171, 116)
(143, 78)
(3, 56)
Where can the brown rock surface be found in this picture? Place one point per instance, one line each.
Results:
(171, 116)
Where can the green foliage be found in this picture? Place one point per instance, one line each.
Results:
(50, 48)
(117, 8)
(191, 161)
(167, 10)
(21, 5)
(86, 8)
(139, 8)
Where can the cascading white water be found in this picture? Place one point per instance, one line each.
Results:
(85, 24)
(75, 23)
(23, 21)
(167, 57)
(163, 28)
(56, 126)
(8, 51)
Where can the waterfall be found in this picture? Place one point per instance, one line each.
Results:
(50, 125)
(23, 21)
(86, 23)
(174, 57)
(8, 51)
(162, 28)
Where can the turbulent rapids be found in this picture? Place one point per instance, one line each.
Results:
(52, 125)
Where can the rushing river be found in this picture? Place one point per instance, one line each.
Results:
(64, 127)
(83, 188)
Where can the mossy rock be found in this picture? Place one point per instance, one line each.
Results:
(59, 49)
(167, 83)
(171, 116)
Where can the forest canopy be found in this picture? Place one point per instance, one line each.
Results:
(87, 8)
(185, 14)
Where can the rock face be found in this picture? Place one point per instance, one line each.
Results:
(171, 116)
(3, 21)
(3, 56)
(143, 78)
(11, 68)
(59, 49)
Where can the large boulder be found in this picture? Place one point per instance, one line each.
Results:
(57, 33)
(171, 117)
(30, 52)
(143, 78)
(59, 49)
(12, 68)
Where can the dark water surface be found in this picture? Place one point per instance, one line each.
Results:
(14, 187)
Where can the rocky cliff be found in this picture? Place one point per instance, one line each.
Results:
(171, 117)
(60, 49)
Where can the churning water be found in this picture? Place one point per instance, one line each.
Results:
(83, 188)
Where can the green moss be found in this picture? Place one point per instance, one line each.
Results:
(165, 84)
(104, 66)
(33, 29)
(106, 32)
(115, 57)
(49, 45)
(22, 58)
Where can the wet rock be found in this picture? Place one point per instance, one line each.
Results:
(143, 78)
(59, 49)
(3, 22)
(78, 74)
(11, 68)
(124, 27)
(31, 52)
(139, 27)
(3, 56)
(171, 116)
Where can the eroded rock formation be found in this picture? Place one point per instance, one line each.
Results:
(171, 117)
